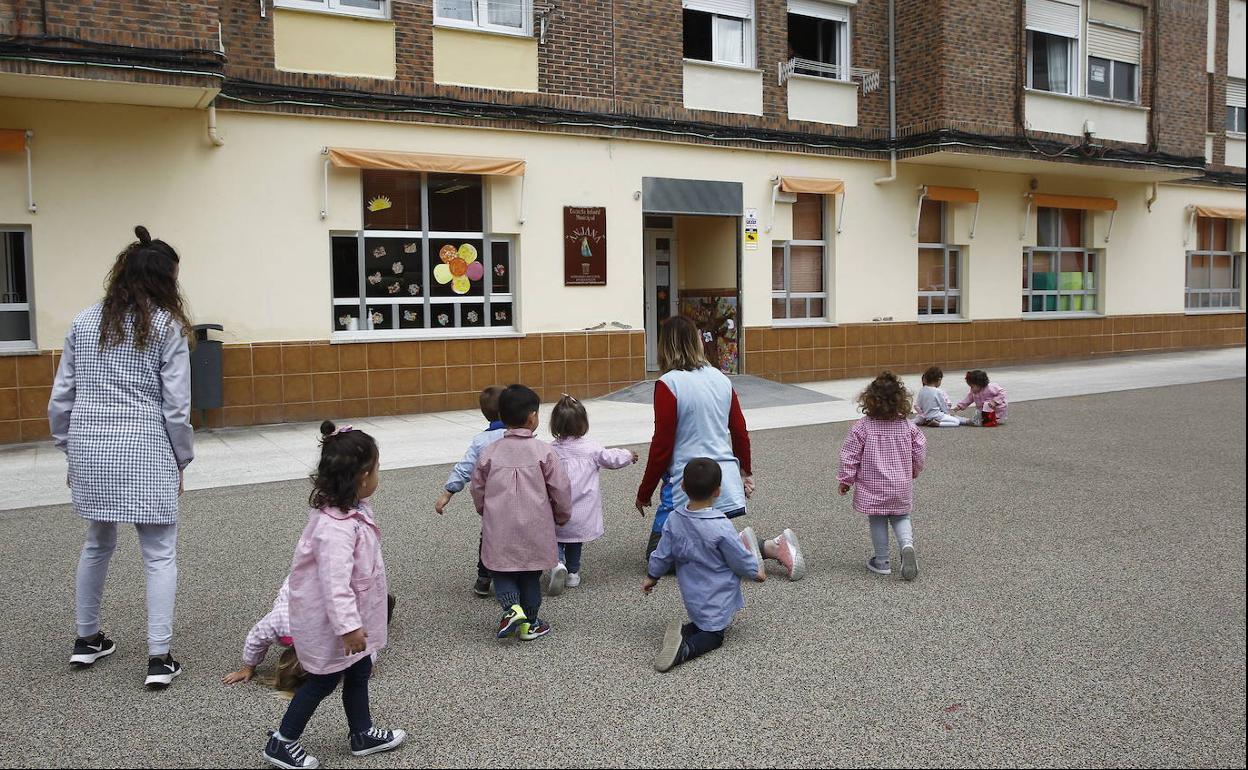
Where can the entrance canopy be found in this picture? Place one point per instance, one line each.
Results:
(660, 195)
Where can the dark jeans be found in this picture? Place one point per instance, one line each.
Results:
(482, 572)
(570, 555)
(318, 687)
(523, 588)
(697, 641)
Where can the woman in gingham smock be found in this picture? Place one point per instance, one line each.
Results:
(120, 410)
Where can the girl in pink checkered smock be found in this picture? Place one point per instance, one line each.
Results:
(881, 458)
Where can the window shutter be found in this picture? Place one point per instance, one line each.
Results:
(742, 9)
(1234, 92)
(820, 10)
(1113, 43)
(1126, 16)
(1056, 17)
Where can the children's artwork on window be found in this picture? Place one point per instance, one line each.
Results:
(410, 248)
(380, 203)
(460, 267)
(394, 288)
(413, 289)
(379, 252)
(375, 278)
(397, 268)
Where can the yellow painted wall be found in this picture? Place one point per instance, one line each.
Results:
(256, 254)
(485, 60)
(332, 44)
(707, 249)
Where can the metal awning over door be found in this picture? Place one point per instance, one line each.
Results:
(660, 195)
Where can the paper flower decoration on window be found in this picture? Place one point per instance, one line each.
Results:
(500, 315)
(410, 248)
(344, 321)
(380, 203)
(375, 278)
(377, 318)
(409, 315)
(394, 287)
(459, 267)
(500, 270)
(413, 289)
(379, 252)
(397, 267)
(443, 319)
(473, 316)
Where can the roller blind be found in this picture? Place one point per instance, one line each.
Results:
(1055, 17)
(1113, 43)
(1127, 16)
(1234, 93)
(820, 10)
(742, 9)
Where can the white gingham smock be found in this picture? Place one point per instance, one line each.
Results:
(122, 415)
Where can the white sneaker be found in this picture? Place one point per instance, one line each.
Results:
(574, 579)
(909, 564)
(750, 541)
(558, 580)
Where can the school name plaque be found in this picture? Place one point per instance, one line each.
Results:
(584, 246)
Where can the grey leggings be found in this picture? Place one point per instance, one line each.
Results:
(159, 543)
(879, 533)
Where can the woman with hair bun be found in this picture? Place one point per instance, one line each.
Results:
(120, 410)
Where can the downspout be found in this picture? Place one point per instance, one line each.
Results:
(1152, 198)
(214, 136)
(892, 97)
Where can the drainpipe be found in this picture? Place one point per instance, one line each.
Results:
(892, 97)
(1152, 198)
(213, 135)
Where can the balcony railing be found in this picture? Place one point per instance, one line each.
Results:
(868, 79)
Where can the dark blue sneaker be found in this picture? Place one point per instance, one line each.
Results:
(375, 741)
(288, 754)
(162, 671)
(88, 651)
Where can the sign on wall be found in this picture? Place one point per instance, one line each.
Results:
(584, 246)
(751, 229)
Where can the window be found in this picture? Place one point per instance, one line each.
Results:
(17, 325)
(719, 31)
(1235, 105)
(1059, 274)
(940, 265)
(1109, 79)
(510, 16)
(423, 260)
(1050, 67)
(798, 290)
(1213, 269)
(375, 9)
(819, 35)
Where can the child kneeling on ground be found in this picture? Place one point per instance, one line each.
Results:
(710, 559)
(933, 405)
(988, 397)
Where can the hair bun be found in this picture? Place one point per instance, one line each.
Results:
(144, 236)
(327, 428)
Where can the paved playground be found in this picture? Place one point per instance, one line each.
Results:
(1081, 601)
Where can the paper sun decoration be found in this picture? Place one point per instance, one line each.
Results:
(459, 267)
(380, 203)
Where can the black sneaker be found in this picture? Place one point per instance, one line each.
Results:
(161, 672)
(482, 587)
(88, 651)
(390, 602)
(375, 741)
(288, 754)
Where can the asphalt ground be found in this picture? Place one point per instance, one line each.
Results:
(1081, 601)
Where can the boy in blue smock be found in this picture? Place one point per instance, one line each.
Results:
(710, 559)
(461, 474)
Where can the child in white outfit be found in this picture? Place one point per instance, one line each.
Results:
(932, 405)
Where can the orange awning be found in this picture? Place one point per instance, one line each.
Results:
(798, 184)
(951, 194)
(1221, 212)
(1075, 202)
(392, 160)
(12, 139)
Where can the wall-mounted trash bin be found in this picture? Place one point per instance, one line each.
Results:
(206, 385)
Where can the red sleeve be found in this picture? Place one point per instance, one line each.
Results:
(662, 444)
(740, 436)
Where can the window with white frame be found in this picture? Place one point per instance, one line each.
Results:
(373, 9)
(17, 322)
(1213, 267)
(513, 17)
(799, 290)
(719, 31)
(819, 38)
(1060, 272)
(1235, 105)
(423, 261)
(1109, 35)
(940, 264)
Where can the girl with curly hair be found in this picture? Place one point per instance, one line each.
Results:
(881, 458)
